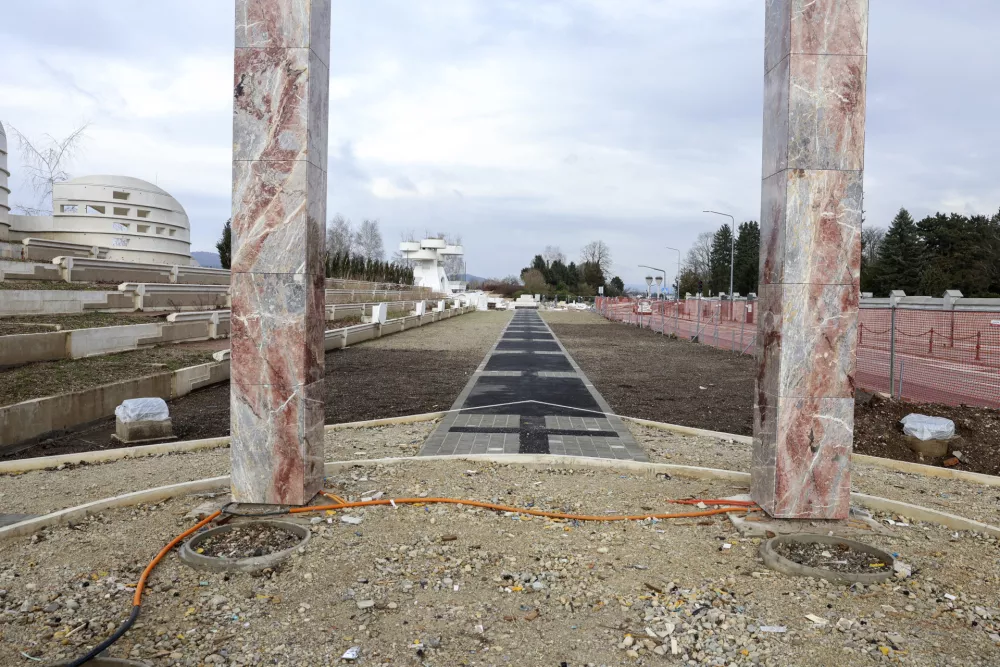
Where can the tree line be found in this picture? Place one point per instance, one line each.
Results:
(549, 273)
(927, 257)
(705, 270)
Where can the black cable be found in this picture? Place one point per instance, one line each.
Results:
(103, 646)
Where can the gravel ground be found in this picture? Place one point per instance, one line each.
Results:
(973, 501)
(445, 585)
(41, 491)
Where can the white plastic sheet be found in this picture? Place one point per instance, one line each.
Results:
(142, 409)
(923, 427)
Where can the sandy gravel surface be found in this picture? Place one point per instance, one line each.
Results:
(572, 317)
(44, 491)
(446, 585)
(973, 501)
(471, 332)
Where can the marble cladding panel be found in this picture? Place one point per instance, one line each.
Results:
(274, 93)
(278, 212)
(811, 464)
(284, 24)
(822, 232)
(826, 112)
(811, 227)
(276, 334)
(763, 460)
(774, 191)
(318, 106)
(777, 31)
(775, 152)
(807, 337)
(279, 432)
(835, 27)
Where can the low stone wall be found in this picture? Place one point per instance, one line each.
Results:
(87, 270)
(61, 302)
(28, 271)
(155, 296)
(25, 421)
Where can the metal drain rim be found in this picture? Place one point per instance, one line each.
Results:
(190, 556)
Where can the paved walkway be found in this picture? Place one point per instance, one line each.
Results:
(528, 396)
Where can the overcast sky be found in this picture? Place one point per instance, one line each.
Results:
(517, 124)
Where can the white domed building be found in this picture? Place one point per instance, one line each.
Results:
(137, 221)
(4, 188)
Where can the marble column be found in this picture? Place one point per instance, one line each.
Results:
(813, 159)
(280, 112)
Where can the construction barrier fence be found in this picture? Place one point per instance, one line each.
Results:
(925, 356)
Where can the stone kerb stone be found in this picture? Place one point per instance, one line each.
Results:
(199, 275)
(61, 302)
(83, 269)
(44, 250)
(167, 296)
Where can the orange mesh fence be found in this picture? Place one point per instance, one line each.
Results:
(926, 356)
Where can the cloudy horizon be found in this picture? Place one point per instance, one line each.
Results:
(514, 124)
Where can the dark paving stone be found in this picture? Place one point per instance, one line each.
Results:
(534, 438)
(553, 363)
(567, 393)
(549, 431)
(530, 345)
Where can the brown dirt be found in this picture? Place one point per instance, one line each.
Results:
(49, 378)
(877, 432)
(643, 374)
(22, 324)
(56, 285)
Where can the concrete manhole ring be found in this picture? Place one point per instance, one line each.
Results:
(779, 563)
(189, 551)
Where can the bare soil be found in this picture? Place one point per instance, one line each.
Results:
(647, 375)
(48, 378)
(23, 324)
(56, 285)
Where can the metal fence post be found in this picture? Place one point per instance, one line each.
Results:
(900, 394)
(697, 327)
(743, 326)
(677, 317)
(892, 347)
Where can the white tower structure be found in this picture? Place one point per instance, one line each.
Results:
(428, 264)
(4, 188)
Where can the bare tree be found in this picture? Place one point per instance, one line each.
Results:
(454, 265)
(699, 256)
(405, 236)
(368, 240)
(45, 163)
(871, 243)
(339, 235)
(553, 254)
(598, 252)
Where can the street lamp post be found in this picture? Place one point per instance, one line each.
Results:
(677, 276)
(649, 280)
(732, 251)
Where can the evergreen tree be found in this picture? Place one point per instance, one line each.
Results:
(747, 263)
(901, 257)
(225, 244)
(721, 258)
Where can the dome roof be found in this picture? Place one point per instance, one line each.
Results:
(119, 181)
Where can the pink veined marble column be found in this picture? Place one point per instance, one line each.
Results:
(814, 124)
(280, 111)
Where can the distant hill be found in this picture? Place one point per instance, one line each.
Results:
(209, 259)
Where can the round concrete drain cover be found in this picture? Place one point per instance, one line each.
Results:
(193, 551)
(836, 559)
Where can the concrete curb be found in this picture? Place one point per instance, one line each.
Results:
(914, 512)
(112, 455)
(875, 461)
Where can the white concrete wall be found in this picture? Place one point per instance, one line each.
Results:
(143, 223)
(4, 187)
(60, 302)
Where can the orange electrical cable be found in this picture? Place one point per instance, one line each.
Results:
(136, 599)
(715, 501)
(518, 510)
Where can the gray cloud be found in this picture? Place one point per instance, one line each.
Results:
(517, 124)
